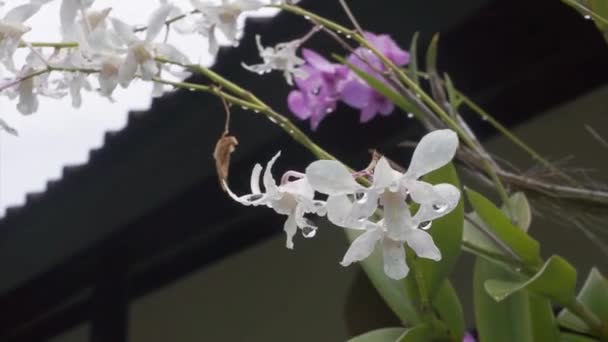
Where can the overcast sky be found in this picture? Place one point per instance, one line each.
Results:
(59, 135)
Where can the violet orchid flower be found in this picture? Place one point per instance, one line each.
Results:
(357, 93)
(318, 93)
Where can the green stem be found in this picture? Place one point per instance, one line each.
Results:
(61, 45)
(586, 10)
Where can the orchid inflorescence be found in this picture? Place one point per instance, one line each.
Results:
(351, 205)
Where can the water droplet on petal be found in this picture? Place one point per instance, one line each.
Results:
(393, 187)
(316, 91)
(329, 110)
(309, 232)
(440, 207)
(425, 225)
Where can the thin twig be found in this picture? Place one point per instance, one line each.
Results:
(352, 17)
(597, 136)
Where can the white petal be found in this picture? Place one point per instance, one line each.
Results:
(339, 209)
(21, 13)
(290, 227)
(422, 243)
(269, 183)
(434, 150)
(449, 197)
(362, 247)
(127, 70)
(247, 200)
(422, 192)
(255, 179)
(157, 21)
(397, 218)
(107, 84)
(149, 69)
(124, 31)
(394, 259)
(67, 13)
(28, 101)
(300, 188)
(383, 174)
(331, 177)
(171, 52)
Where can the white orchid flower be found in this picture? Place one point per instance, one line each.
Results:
(281, 57)
(294, 199)
(224, 17)
(413, 234)
(12, 28)
(140, 53)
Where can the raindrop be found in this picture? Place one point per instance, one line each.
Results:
(329, 110)
(256, 111)
(410, 115)
(393, 187)
(316, 91)
(440, 207)
(588, 17)
(244, 108)
(306, 17)
(339, 32)
(484, 118)
(272, 119)
(418, 96)
(309, 232)
(261, 72)
(425, 225)
(518, 269)
(348, 36)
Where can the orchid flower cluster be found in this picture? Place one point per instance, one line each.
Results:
(351, 205)
(96, 44)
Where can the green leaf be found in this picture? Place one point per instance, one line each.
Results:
(399, 295)
(594, 295)
(567, 337)
(520, 210)
(413, 66)
(446, 233)
(502, 228)
(431, 55)
(449, 309)
(380, 335)
(556, 280)
(420, 333)
(381, 87)
(522, 317)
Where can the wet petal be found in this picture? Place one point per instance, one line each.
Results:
(317, 61)
(124, 31)
(434, 150)
(394, 259)
(362, 247)
(422, 243)
(331, 177)
(339, 212)
(422, 192)
(449, 196)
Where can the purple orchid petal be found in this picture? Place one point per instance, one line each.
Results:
(387, 46)
(356, 94)
(318, 62)
(468, 338)
(298, 105)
